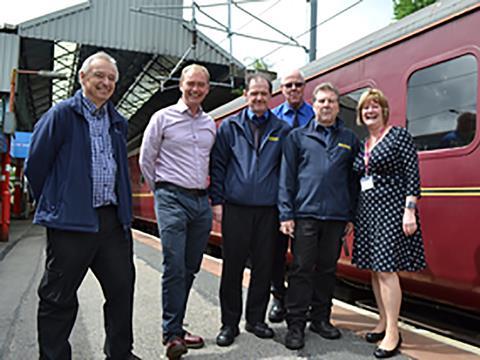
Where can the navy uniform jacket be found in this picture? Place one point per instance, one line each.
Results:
(59, 168)
(316, 178)
(241, 175)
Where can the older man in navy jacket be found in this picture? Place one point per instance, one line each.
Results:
(244, 186)
(77, 169)
(296, 112)
(317, 196)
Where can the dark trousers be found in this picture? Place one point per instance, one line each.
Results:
(248, 232)
(278, 287)
(70, 254)
(312, 278)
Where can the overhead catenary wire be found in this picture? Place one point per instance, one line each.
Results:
(246, 24)
(312, 28)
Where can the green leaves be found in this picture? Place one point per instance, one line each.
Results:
(402, 8)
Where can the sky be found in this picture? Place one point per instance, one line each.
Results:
(344, 22)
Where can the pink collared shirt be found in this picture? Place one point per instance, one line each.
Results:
(176, 147)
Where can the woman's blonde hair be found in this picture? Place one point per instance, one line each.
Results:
(377, 96)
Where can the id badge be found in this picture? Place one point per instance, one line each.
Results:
(366, 183)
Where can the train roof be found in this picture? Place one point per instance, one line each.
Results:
(400, 30)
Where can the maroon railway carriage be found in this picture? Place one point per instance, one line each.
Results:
(427, 65)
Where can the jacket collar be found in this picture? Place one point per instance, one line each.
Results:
(76, 103)
(241, 121)
(311, 130)
(313, 125)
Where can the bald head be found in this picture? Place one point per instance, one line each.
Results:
(293, 74)
(293, 85)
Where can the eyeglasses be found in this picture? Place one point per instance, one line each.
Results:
(291, 84)
(101, 76)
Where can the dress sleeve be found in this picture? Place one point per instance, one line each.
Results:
(409, 163)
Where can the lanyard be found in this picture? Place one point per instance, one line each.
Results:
(368, 153)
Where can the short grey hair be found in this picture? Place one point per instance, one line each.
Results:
(85, 68)
(326, 86)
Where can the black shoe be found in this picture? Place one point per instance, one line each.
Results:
(133, 357)
(383, 354)
(260, 330)
(277, 311)
(325, 330)
(295, 338)
(373, 337)
(308, 315)
(130, 356)
(227, 335)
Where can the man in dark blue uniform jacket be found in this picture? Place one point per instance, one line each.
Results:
(245, 167)
(77, 169)
(296, 112)
(317, 196)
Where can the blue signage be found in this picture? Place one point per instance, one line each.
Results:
(20, 144)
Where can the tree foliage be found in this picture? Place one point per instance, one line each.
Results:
(402, 8)
(259, 64)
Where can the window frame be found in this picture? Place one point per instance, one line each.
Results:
(432, 61)
(352, 87)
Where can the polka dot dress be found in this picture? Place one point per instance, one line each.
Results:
(380, 243)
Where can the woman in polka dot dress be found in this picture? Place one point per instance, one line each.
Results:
(388, 238)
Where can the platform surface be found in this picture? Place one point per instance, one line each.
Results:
(21, 267)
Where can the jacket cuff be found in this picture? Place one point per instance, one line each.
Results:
(215, 200)
(286, 216)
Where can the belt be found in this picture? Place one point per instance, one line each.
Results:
(172, 187)
(106, 207)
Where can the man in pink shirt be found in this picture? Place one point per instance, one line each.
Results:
(174, 159)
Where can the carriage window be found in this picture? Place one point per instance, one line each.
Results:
(442, 102)
(348, 111)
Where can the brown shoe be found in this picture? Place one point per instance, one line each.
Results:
(193, 341)
(176, 347)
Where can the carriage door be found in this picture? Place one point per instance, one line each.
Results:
(442, 118)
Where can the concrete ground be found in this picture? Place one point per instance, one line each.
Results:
(21, 267)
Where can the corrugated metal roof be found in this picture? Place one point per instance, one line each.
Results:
(9, 48)
(114, 24)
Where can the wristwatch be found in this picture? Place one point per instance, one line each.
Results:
(410, 205)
